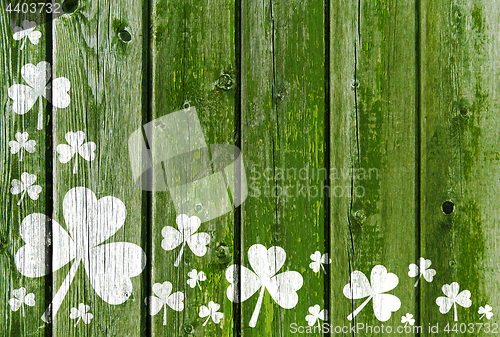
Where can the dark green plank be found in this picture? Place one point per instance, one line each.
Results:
(460, 156)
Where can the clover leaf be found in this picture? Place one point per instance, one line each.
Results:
(422, 269)
(77, 146)
(22, 144)
(485, 311)
(408, 319)
(212, 312)
(315, 315)
(266, 263)
(318, 261)
(163, 299)
(38, 77)
(452, 298)
(26, 185)
(90, 222)
(186, 234)
(27, 31)
(381, 282)
(82, 313)
(195, 278)
(20, 299)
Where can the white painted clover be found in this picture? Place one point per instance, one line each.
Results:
(485, 311)
(315, 315)
(20, 299)
(27, 31)
(22, 144)
(81, 313)
(195, 278)
(164, 298)
(318, 261)
(211, 312)
(408, 319)
(26, 185)
(452, 298)
(422, 269)
(76, 147)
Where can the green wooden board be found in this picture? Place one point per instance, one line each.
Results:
(368, 136)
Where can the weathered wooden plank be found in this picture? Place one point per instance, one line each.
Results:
(459, 156)
(373, 104)
(283, 114)
(193, 64)
(26, 320)
(98, 47)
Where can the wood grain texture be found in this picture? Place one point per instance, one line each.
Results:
(104, 66)
(283, 136)
(25, 321)
(193, 64)
(460, 154)
(373, 149)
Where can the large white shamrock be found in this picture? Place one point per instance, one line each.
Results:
(22, 144)
(90, 222)
(315, 315)
(422, 269)
(77, 146)
(266, 263)
(38, 77)
(212, 312)
(381, 282)
(27, 30)
(318, 261)
(20, 299)
(186, 234)
(452, 298)
(81, 313)
(163, 299)
(26, 185)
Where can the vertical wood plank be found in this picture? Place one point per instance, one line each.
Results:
(193, 64)
(373, 151)
(460, 150)
(24, 321)
(98, 47)
(283, 114)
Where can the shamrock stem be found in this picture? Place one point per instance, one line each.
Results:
(178, 261)
(22, 308)
(75, 167)
(78, 321)
(22, 196)
(165, 314)
(455, 311)
(355, 312)
(482, 316)
(207, 319)
(255, 315)
(40, 114)
(22, 44)
(322, 267)
(21, 154)
(51, 311)
(418, 280)
(319, 325)
(199, 286)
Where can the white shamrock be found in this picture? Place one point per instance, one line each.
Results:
(486, 310)
(20, 299)
(452, 298)
(381, 282)
(186, 234)
(76, 147)
(266, 263)
(422, 269)
(316, 314)
(25, 185)
(27, 30)
(81, 313)
(318, 261)
(90, 222)
(211, 312)
(408, 319)
(22, 144)
(195, 278)
(38, 77)
(163, 299)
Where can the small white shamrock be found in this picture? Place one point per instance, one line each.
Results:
(76, 147)
(27, 30)
(452, 298)
(22, 144)
(381, 282)
(81, 313)
(26, 185)
(211, 312)
(38, 77)
(195, 277)
(186, 234)
(408, 319)
(89, 222)
(422, 269)
(20, 299)
(316, 314)
(486, 310)
(318, 261)
(266, 263)
(163, 299)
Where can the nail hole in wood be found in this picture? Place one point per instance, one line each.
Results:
(69, 6)
(448, 207)
(124, 35)
(464, 111)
